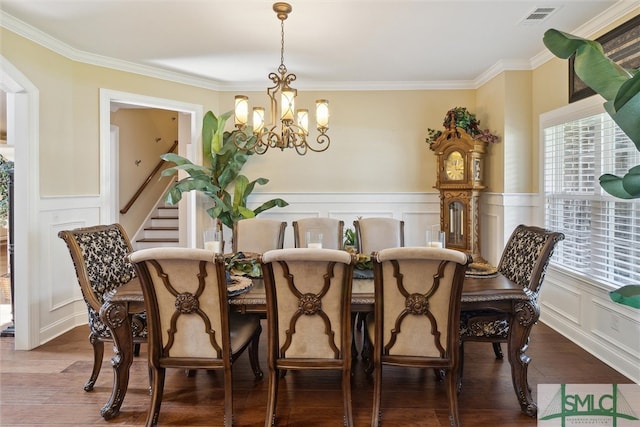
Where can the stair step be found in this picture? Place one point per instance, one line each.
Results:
(167, 211)
(164, 222)
(160, 232)
(155, 243)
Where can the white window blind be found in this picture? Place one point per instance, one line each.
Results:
(602, 233)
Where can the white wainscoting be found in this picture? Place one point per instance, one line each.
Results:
(581, 310)
(60, 302)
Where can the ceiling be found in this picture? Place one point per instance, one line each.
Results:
(329, 44)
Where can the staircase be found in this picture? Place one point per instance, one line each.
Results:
(160, 230)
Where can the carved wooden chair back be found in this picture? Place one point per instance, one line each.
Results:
(98, 255)
(258, 235)
(190, 326)
(308, 294)
(417, 309)
(332, 230)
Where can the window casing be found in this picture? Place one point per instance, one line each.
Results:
(602, 233)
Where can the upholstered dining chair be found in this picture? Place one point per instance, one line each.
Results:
(258, 235)
(416, 315)
(374, 234)
(190, 325)
(98, 255)
(524, 261)
(332, 230)
(308, 293)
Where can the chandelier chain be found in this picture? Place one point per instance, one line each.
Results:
(282, 45)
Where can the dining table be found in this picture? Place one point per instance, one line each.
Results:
(480, 292)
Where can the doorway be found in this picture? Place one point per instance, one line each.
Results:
(7, 158)
(189, 119)
(22, 110)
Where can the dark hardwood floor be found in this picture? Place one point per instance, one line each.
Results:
(43, 387)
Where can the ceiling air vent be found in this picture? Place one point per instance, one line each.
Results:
(538, 15)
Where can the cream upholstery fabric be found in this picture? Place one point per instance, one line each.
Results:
(418, 267)
(308, 312)
(375, 234)
(332, 231)
(185, 292)
(416, 315)
(258, 235)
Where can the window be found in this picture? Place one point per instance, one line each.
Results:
(602, 233)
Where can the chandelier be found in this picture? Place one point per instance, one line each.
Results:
(294, 124)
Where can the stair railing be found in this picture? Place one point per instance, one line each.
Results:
(146, 182)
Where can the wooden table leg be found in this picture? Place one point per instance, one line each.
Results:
(526, 314)
(117, 319)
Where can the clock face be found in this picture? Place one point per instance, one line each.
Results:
(454, 166)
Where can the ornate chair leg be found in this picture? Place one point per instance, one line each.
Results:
(98, 352)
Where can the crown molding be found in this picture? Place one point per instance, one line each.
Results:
(615, 12)
(500, 67)
(37, 36)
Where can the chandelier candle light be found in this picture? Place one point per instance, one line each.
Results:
(294, 125)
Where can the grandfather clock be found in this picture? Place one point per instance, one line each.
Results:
(459, 180)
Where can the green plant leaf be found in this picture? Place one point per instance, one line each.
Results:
(175, 158)
(223, 162)
(631, 182)
(628, 91)
(591, 64)
(246, 212)
(209, 124)
(627, 187)
(270, 204)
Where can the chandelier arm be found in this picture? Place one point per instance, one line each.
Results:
(242, 140)
(322, 139)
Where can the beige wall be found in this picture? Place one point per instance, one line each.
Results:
(138, 155)
(491, 100)
(69, 110)
(377, 142)
(377, 137)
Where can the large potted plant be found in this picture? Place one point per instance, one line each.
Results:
(223, 161)
(619, 86)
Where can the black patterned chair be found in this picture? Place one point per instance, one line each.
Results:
(524, 261)
(98, 254)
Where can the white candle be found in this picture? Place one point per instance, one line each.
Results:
(214, 246)
(314, 245)
(435, 244)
